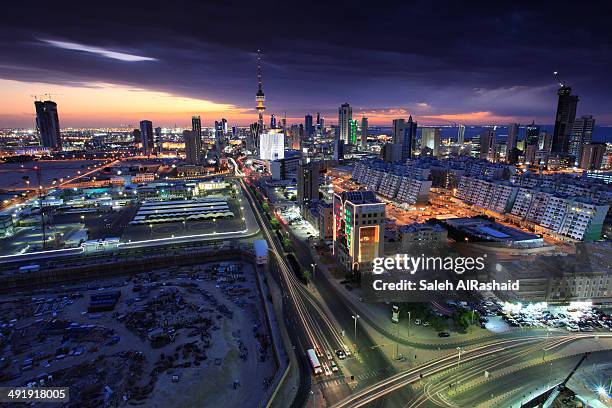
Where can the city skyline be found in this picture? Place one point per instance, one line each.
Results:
(173, 72)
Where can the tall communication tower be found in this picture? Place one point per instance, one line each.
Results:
(260, 97)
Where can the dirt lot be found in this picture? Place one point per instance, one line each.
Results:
(185, 337)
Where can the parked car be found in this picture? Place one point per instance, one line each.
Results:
(444, 334)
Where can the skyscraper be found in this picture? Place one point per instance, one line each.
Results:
(345, 116)
(158, 140)
(408, 139)
(430, 139)
(272, 146)
(308, 125)
(320, 123)
(592, 156)
(364, 132)
(397, 130)
(461, 134)
(487, 144)
(513, 131)
(193, 147)
(272, 121)
(564, 120)
(219, 135)
(353, 132)
(532, 134)
(146, 137)
(47, 124)
(582, 135)
(404, 134)
(308, 182)
(196, 124)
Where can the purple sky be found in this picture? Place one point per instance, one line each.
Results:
(437, 60)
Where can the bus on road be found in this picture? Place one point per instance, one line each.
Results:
(314, 361)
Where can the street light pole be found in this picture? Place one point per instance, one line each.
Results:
(409, 316)
(355, 317)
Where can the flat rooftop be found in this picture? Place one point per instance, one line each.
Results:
(490, 230)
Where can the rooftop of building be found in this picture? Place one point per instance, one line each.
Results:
(360, 197)
(416, 227)
(488, 230)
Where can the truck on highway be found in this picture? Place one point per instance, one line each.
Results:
(261, 251)
(314, 361)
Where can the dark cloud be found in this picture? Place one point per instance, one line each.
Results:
(454, 56)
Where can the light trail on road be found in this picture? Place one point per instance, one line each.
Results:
(400, 380)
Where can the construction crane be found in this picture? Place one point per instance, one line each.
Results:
(557, 390)
(558, 78)
(49, 95)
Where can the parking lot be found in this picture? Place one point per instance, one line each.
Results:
(575, 317)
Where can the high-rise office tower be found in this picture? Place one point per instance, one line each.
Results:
(272, 121)
(308, 125)
(146, 137)
(408, 139)
(338, 149)
(319, 126)
(513, 131)
(196, 124)
(532, 134)
(461, 134)
(487, 144)
(582, 134)
(345, 116)
(260, 98)
(193, 147)
(252, 141)
(430, 139)
(308, 182)
(397, 130)
(545, 141)
(353, 132)
(47, 124)
(224, 125)
(592, 156)
(219, 135)
(158, 139)
(364, 132)
(564, 120)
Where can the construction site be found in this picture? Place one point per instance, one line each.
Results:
(178, 336)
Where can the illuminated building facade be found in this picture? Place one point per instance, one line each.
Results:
(353, 132)
(358, 230)
(272, 146)
(345, 117)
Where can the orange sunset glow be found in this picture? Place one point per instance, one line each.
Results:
(102, 104)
